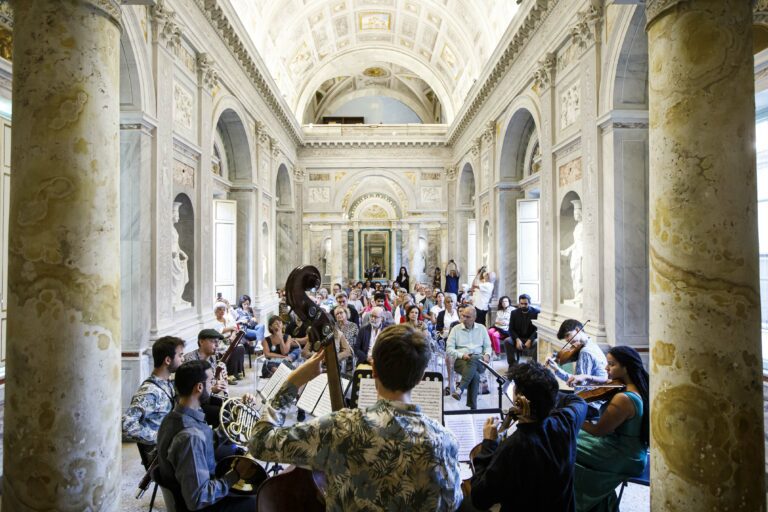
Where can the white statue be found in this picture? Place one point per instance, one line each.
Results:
(327, 256)
(179, 270)
(575, 253)
(419, 260)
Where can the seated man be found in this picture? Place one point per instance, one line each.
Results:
(379, 298)
(468, 343)
(533, 469)
(154, 399)
(591, 363)
(387, 457)
(522, 332)
(366, 337)
(185, 448)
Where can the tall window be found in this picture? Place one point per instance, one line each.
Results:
(762, 209)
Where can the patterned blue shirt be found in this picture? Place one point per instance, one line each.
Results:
(153, 400)
(388, 457)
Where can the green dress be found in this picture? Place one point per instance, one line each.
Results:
(602, 463)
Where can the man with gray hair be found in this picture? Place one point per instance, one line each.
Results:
(366, 338)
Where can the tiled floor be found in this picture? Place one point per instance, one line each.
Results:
(636, 498)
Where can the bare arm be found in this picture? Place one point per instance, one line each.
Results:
(619, 410)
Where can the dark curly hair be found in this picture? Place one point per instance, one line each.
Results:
(538, 385)
(568, 326)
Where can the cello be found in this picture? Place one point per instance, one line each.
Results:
(299, 488)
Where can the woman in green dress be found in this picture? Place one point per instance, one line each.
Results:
(615, 448)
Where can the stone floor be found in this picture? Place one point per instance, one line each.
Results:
(636, 498)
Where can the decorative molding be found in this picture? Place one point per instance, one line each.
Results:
(320, 195)
(569, 172)
(299, 173)
(166, 31)
(450, 173)
(587, 28)
(319, 177)
(183, 174)
(218, 20)
(431, 194)
(761, 12)
(261, 131)
(372, 144)
(535, 17)
(6, 14)
(275, 147)
(374, 195)
(475, 147)
(653, 8)
(490, 132)
(207, 74)
(544, 76)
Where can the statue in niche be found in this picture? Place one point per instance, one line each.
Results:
(179, 270)
(419, 260)
(327, 256)
(575, 253)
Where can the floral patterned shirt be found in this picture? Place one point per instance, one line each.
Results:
(388, 457)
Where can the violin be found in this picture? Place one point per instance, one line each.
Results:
(570, 352)
(602, 392)
(299, 488)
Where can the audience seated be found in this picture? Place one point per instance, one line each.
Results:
(278, 348)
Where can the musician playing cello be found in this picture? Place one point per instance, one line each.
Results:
(533, 469)
(389, 456)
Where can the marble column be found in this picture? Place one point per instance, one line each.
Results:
(62, 410)
(706, 389)
(336, 255)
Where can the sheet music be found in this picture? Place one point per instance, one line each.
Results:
(468, 429)
(275, 382)
(367, 395)
(428, 394)
(323, 406)
(312, 393)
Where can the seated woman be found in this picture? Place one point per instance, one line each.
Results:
(278, 347)
(501, 324)
(437, 307)
(413, 316)
(226, 325)
(348, 329)
(244, 317)
(614, 448)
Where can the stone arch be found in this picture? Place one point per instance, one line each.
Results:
(348, 189)
(236, 145)
(465, 195)
(521, 128)
(186, 231)
(625, 84)
(137, 92)
(384, 201)
(283, 189)
(342, 99)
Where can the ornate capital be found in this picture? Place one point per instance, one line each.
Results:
(207, 74)
(299, 173)
(653, 8)
(166, 29)
(587, 28)
(450, 172)
(761, 12)
(475, 147)
(275, 147)
(489, 132)
(6, 14)
(545, 73)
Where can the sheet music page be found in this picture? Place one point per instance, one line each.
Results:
(324, 406)
(276, 381)
(463, 428)
(479, 421)
(428, 394)
(367, 395)
(312, 393)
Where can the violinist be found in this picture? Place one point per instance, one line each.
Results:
(389, 456)
(591, 362)
(614, 448)
(532, 469)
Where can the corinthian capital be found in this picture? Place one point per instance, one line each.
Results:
(166, 31)
(544, 74)
(489, 132)
(207, 74)
(450, 172)
(587, 28)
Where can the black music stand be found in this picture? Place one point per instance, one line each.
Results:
(502, 384)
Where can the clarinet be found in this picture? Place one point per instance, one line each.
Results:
(225, 357)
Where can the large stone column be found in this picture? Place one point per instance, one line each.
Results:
(706, 392)
(62, 409)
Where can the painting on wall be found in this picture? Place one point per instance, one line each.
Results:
(374, 21)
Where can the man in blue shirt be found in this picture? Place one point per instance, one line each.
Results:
(468, 344)
(185, 448)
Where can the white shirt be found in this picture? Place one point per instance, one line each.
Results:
(374, 335)
(483, 295)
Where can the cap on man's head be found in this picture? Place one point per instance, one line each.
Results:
(207, 334)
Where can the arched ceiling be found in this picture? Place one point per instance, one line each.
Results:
(304, 43)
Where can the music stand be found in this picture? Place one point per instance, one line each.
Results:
(501, 381)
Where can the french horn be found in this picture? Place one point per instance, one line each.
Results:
(237, 421)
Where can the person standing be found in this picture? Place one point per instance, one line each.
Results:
(402, 279)
(482, 289)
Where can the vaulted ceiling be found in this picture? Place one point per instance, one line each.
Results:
(443, 43)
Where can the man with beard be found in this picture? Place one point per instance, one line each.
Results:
(185, 449)
(522, 332)
(154, 399)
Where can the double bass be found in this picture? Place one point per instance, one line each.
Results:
(299, 488)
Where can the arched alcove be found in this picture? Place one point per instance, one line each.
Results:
(486, 253)
(185, 228)
(571, 249)
(518, 137)
(466, 193)
(283, 188)
(630, 85)
(286, 227)
(234, 139)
